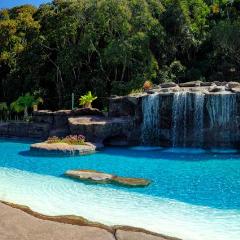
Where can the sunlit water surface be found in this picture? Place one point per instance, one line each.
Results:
(194, 195)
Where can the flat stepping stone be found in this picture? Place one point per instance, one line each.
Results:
(105, 178)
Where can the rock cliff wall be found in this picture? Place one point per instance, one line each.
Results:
(191, 114)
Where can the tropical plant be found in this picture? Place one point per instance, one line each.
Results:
(87, 99)
(23, 103)
(110, 46)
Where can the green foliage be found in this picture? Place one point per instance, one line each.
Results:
(71, 140)
(87, 99)
(175, 72)
(226, 38)
(25, 102)
(113, 46)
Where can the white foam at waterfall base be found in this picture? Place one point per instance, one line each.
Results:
(59, 196)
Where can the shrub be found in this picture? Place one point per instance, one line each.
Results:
(74, 140)
(71, 140)
(175, 72)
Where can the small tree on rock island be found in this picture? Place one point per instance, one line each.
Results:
(23, 103)
(87, 99)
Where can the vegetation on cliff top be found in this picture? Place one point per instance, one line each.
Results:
(113, 47)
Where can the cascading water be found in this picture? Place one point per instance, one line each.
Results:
(198, 119)
(179, 117)
(186, 107)
(151, 119)
(222, 117)
(222, 110)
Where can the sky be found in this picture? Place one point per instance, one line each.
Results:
(13, 3)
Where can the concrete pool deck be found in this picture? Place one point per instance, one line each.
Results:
(17, 224)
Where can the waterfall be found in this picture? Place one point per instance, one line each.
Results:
(150, 133)
(198, 119)
(179, 118)
(187, 119)
(222, 111)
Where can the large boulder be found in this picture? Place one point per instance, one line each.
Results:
(60, 118)
(43, 116)
(25, 130)
(170, 89)
(124, 105)
(191, 84)
(207, 84)
(236, 90)
(100, 177)
(217, 89)
(218, 83)
(231, 85)
(97, 129)
(168, 85)
(199, 89)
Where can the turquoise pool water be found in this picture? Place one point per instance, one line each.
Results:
(195, 193)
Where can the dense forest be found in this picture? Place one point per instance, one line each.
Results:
(113, 46)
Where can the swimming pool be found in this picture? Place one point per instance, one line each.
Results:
(195, 193)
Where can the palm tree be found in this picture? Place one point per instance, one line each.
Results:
(23, 103)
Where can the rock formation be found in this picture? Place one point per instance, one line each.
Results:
(65, 148)
(189, 114)
(100, 177)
